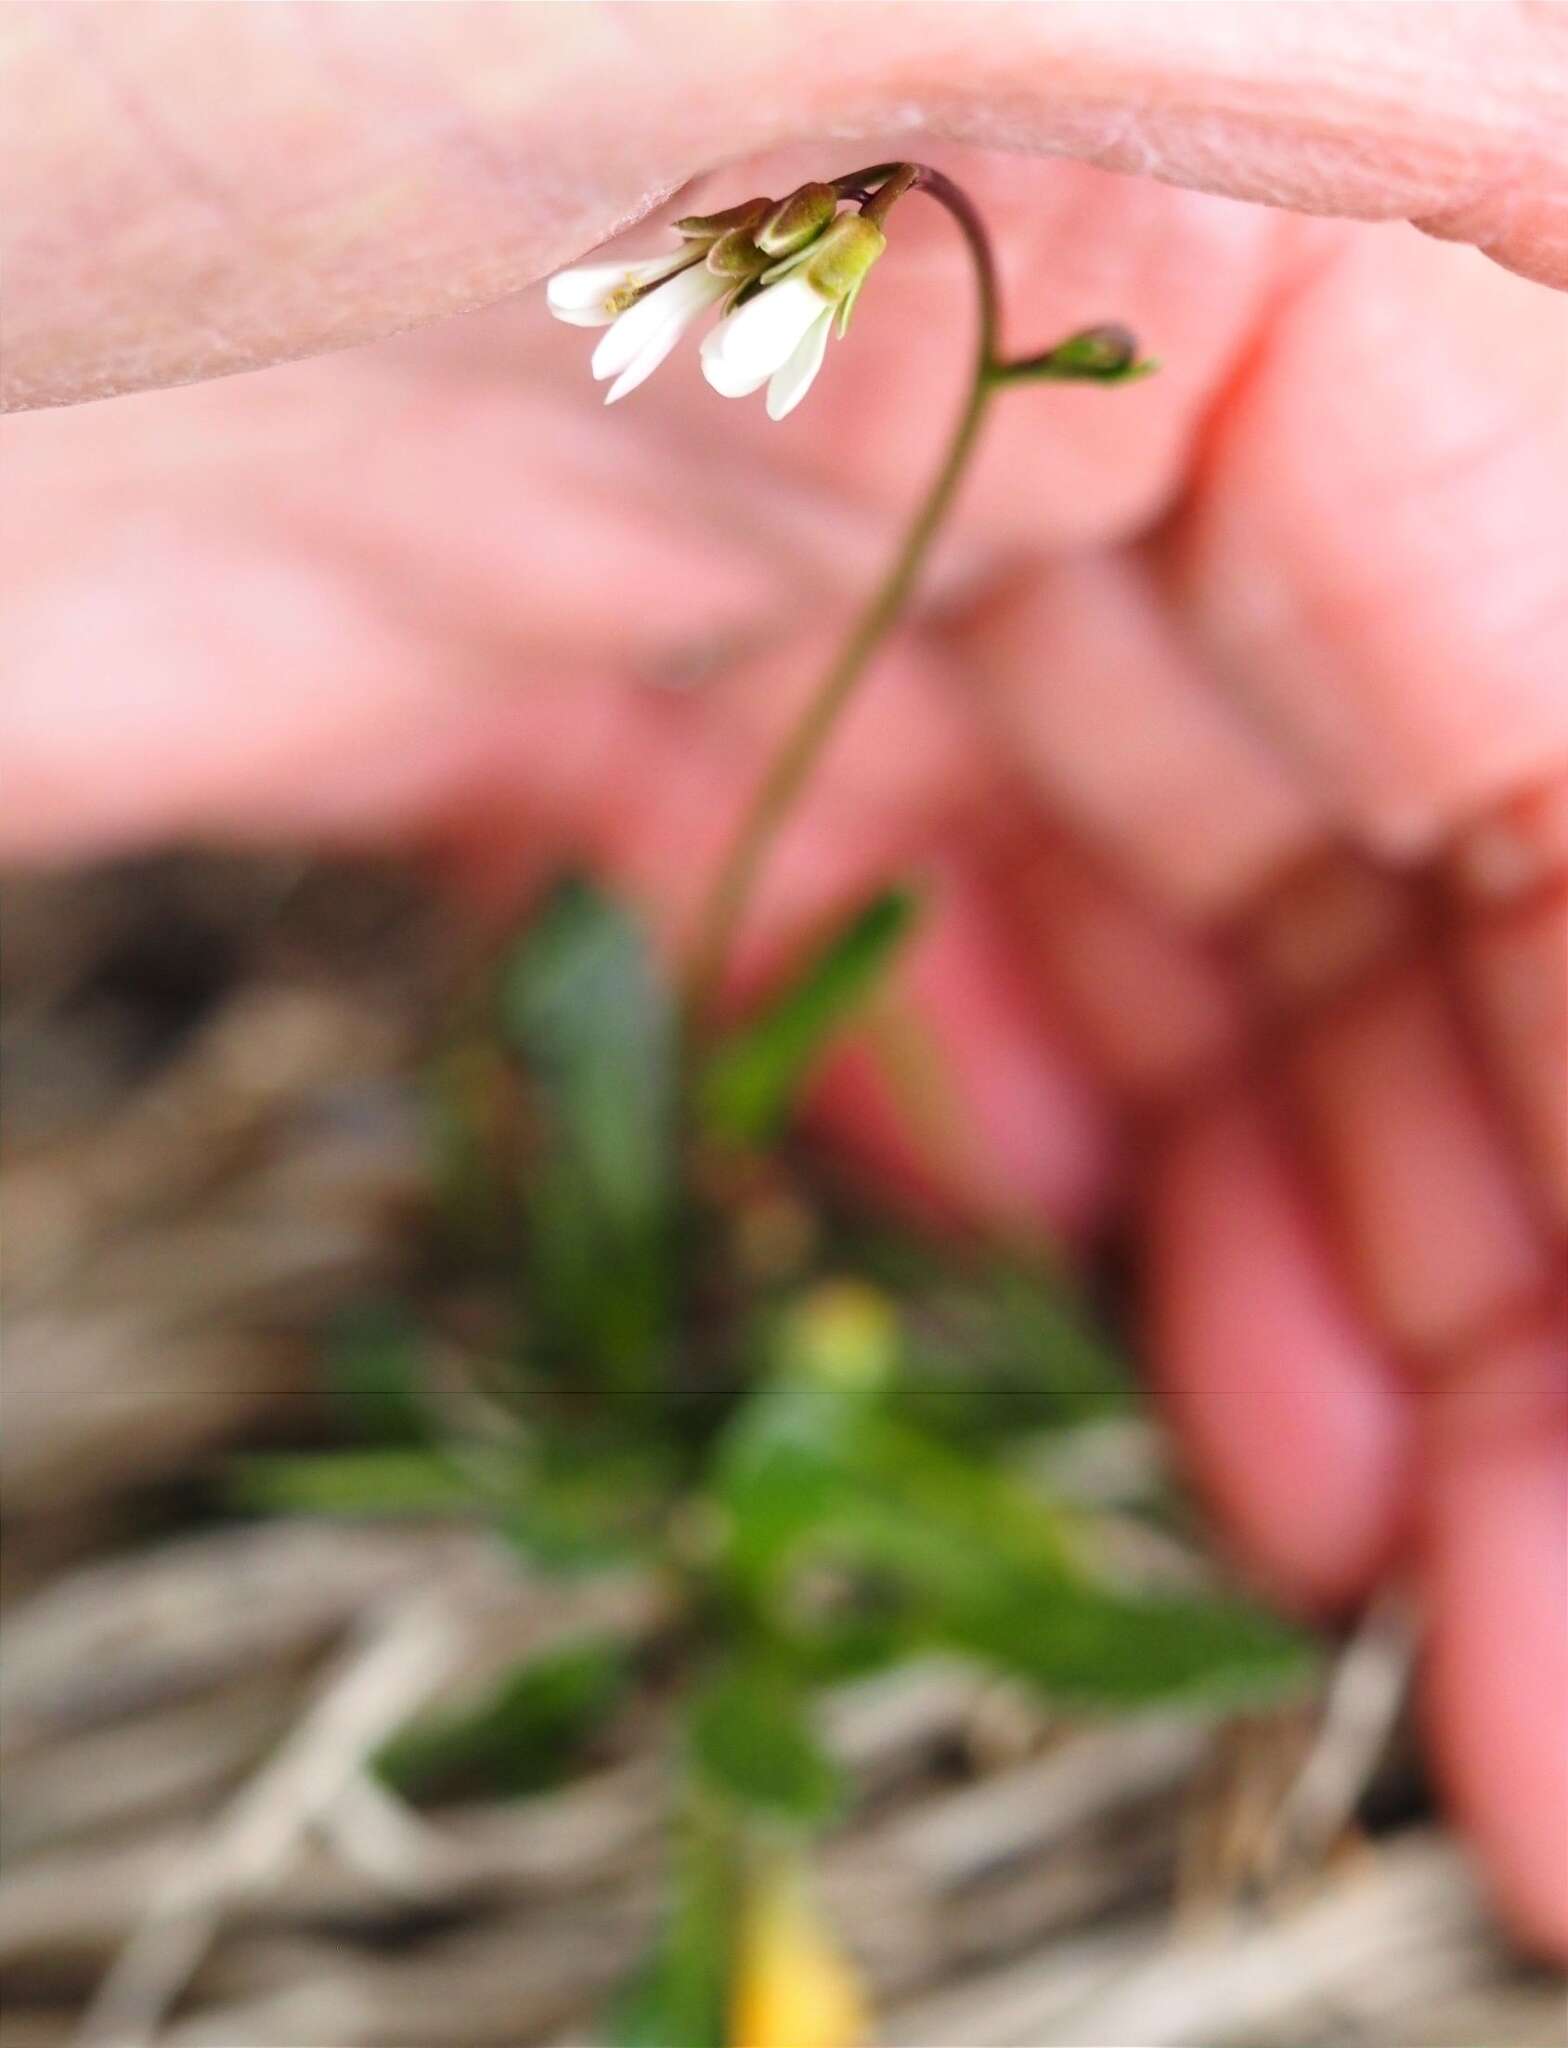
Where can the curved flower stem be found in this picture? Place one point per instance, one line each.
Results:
(1102, 355)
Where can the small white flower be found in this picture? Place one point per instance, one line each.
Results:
(780, 335)
(776, 332)
(586, 297)
(644, 334)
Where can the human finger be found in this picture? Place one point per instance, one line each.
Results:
(194, 191)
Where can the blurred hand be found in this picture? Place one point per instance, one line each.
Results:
(1232, 728)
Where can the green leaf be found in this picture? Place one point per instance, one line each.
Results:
(783, 1471)
(833, 1649)
(949, 1551)
(385, 1483)
(522, 1737)
(964, 1502)
(1093, 1646)
(680, 1997)
(753, 1077)
(586, 1012)
(814, 1469)
(752, 1741)
(373, 1367)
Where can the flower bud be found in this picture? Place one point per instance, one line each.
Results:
(843, 255)
(844, 1337)
(736, 255)
(1105, 351)
(797, 220)
(707, 227)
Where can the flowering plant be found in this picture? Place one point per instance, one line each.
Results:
(783, 275)
(797, 1457)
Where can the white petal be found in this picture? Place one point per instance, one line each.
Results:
(646, 360)
(679, 301)
(794, 380)
(578, 296)
(744, 350)
(585, 316)
(727, 381)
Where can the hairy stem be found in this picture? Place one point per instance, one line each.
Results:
(790, 767)
(1102, 355)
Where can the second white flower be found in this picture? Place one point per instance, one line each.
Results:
(645, 333)
(779, 336)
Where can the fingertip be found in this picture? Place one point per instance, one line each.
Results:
(1512, 958)
(1371, 531)
(1495, 1546)
(1291, 1423)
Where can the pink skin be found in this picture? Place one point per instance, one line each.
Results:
(1233, 721)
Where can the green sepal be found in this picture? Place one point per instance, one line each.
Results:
(843, 253)
(797, 219)
(735, 254)
(701, 227)
(789, 263)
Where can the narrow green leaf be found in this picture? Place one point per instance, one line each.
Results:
(585, 1011)
(386, 1483)
(521, 1737)
(1092, 1646)
(752, 1741)
(946, 1549)
(967, 1503)
(813, 1468)
(752, 1079)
